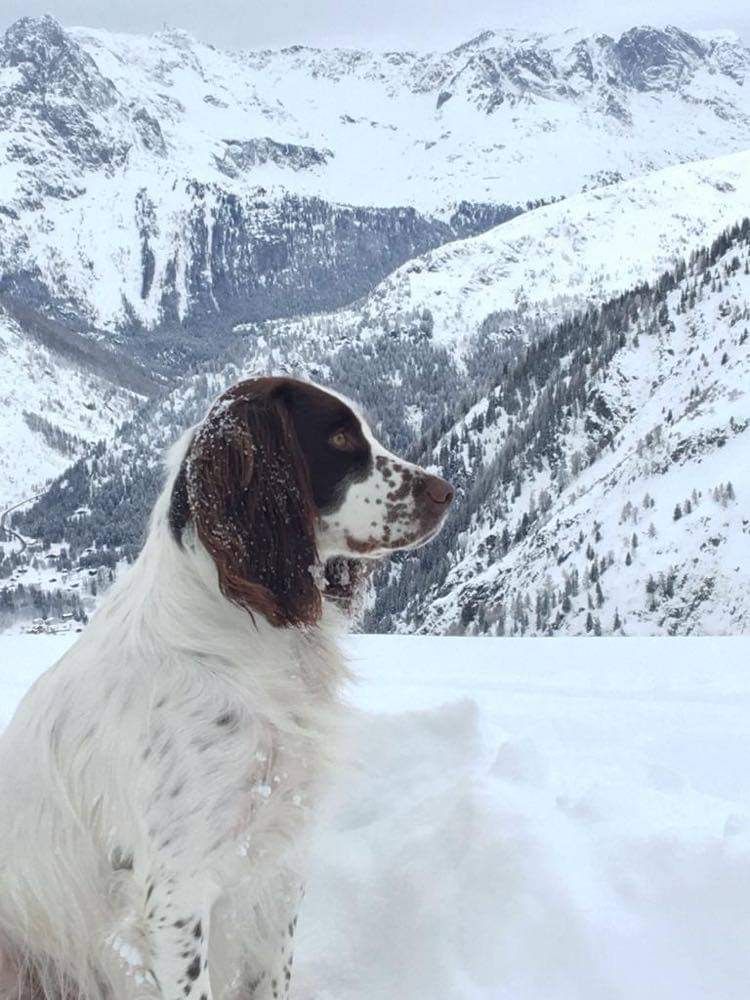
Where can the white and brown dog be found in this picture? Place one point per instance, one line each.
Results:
(155, 783)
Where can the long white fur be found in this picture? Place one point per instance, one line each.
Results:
(181, 734)
(73, 774)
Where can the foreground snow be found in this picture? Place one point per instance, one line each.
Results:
(526, 819)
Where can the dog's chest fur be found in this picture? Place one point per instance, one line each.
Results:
(239, 752)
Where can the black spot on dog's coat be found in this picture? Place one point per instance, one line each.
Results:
(121, 861)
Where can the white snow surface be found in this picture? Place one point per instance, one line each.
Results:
(525, 819)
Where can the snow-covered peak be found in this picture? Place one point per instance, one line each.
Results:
(480, 122)
(51, 66)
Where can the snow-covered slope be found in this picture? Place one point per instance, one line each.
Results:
(524, 819)
(607, 477)
(52, 408)
(561, 256)
(554, 437)
(146, 180)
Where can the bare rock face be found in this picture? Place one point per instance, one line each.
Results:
(650, 59)
(52, 65)
(55, 97)
(642, 59)
(241, 156)
(252, 257)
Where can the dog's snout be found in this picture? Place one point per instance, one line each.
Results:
(438, 491)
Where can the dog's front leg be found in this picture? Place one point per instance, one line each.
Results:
(273, 982)
(177, 917)
(252, 941)
(277, 975)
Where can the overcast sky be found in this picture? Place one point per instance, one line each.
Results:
(420, 24)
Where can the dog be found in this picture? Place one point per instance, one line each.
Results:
(157, 782)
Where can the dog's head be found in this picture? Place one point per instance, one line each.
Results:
(283, 477)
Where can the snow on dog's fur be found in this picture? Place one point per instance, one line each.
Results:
(156, 782)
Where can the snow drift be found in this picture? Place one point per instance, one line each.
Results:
(526, 819)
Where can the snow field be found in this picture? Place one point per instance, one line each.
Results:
(525, 819)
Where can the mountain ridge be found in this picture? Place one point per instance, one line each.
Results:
(173, 215)
(130, 129)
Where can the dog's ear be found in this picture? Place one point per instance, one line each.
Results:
(247, 491)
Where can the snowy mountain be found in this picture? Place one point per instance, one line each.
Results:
(481, 122)
(391, 224)
(567, 442)
(605, 476)
(154, 182)
(558, 257)
(134, 197)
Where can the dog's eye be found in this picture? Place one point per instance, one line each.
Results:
(342, 441)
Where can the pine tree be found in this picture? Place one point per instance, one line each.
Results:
(677, 513)
(505, 539)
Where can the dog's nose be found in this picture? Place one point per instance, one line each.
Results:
(438, 491)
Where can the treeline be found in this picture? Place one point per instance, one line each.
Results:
(539, 396)
(24, 602)
(61, 441)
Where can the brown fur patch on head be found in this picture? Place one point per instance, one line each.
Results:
(246, 489)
